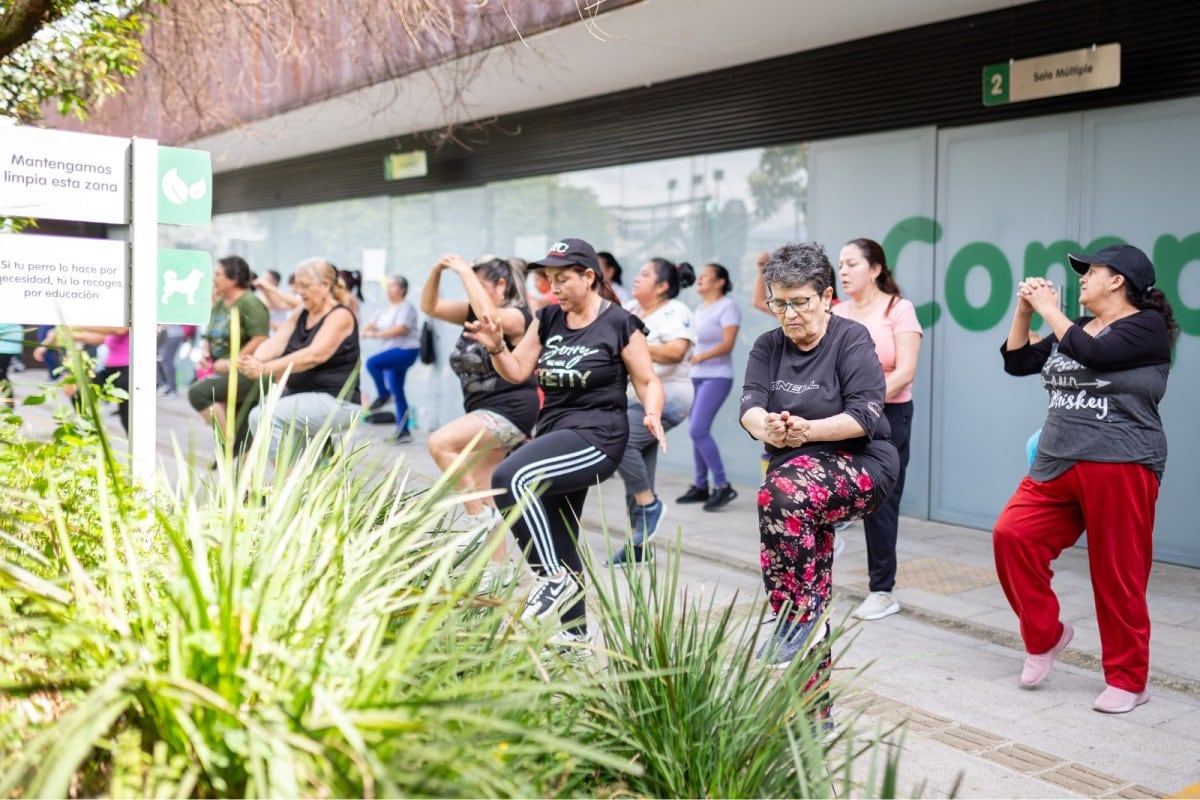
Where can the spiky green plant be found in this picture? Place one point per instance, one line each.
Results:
(307, 631)
(293, 633)
(687, 701)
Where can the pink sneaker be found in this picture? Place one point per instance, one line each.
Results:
(1038, 667)
(1118, 701)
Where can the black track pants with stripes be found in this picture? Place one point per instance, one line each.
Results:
(551, 476)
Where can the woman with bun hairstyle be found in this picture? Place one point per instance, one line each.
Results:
(671, 337)
(1100, 458)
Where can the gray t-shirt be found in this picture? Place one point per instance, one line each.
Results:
(1104, 394)
(403, 313)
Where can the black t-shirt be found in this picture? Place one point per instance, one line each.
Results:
(331, 376)
(484, 390)
(841, 375)
(583, 378)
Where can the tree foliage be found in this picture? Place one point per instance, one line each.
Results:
(781, 176)
(70, 53)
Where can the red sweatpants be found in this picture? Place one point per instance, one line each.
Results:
(1114, 503)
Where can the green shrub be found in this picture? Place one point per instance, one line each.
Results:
(307, 632)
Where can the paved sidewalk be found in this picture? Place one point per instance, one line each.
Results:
(947, 665)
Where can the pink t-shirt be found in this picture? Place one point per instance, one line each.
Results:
(902, 318)
(117, 350)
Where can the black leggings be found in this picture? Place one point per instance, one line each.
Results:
(551, 475)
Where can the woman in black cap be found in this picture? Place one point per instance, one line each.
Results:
(583, 350)
(1099, 462)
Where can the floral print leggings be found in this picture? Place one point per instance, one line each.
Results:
(798, 504)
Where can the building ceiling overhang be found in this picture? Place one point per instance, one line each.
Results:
(636, 45)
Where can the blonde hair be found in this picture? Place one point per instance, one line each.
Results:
(322, 271)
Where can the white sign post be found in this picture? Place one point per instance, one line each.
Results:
(143, 297)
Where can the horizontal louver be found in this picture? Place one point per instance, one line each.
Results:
(923, 76)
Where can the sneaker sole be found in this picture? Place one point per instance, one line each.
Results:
(894, 608)
(721, 505)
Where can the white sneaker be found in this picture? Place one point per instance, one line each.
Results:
(548, 596)
(877, 606)
(495, 577)
(571, 644)
(472, 529)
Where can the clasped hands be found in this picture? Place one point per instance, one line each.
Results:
(250, 366)
(1038, 293)
(785, 429)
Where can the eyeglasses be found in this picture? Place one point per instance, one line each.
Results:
(797, 304)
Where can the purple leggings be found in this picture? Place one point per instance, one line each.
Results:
(710, 394)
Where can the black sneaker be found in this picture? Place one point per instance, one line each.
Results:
(379, 402)
(548, 596)
(720, 497)
(400, 437)
(694, 494)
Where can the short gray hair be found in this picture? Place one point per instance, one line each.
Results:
(799, 264)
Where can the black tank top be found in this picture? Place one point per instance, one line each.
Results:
(330, 377)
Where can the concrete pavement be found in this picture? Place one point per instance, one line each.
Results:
(946, 666)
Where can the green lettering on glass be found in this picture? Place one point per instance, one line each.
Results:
(1000, 293)
(914, 229)
(1171, 255)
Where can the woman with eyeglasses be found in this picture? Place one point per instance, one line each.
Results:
(874, 300)
(813, 394)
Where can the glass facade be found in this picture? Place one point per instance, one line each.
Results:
(725, 208)
(963, 214)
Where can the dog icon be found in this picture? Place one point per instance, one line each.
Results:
(173, 285)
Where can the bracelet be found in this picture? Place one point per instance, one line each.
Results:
(497, 351)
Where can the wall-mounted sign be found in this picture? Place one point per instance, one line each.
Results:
(184, 186)
(49, 174)
(50, 279)
(1097, 67)
(398, 166)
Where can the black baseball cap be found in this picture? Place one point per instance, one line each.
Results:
(1123, 258)
(570, 253)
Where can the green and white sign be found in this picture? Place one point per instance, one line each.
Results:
(184, 186)
(184, 286)
(1097, 67)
